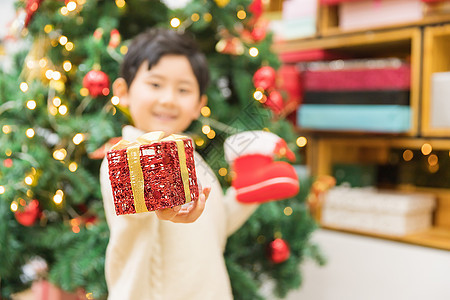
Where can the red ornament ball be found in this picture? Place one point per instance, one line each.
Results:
(97, 83)
(279, 251)
(8, 163)
(265, 78)
(258, 33)
(275, 102)
(28, 216)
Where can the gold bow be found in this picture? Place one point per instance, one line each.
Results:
(134, 164)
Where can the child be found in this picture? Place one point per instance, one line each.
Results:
(150, 255)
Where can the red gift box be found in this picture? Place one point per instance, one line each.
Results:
(152, 173)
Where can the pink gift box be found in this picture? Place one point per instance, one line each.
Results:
(293, 9)
(372, 13)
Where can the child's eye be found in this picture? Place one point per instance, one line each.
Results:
(155, 85)
(184, 91)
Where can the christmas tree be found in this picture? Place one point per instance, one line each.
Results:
(58, 116)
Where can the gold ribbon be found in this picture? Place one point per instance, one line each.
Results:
(134, 164)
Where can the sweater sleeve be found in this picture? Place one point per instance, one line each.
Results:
(133, 252)
(237, 212)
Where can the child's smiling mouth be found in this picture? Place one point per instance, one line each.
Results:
(164, 116)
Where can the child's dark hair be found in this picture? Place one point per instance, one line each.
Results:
(151, 45)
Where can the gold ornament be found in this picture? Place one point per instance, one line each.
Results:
(222, 3)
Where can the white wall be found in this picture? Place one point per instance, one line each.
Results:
(364, 268)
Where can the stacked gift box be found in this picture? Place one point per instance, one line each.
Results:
(298, 20)
(380, 212)
(356, 95)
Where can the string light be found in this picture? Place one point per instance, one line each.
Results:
(8, 152)
(258, 95)
(14, 206)
(59, 154)
(64, 11)
(63, 40)
(71, 6)
(206, 129)
(23, 87)
(43, 62)
(62, 110)
(56, 75)
(49, 74)
(29, 193)
(6, 129)
(426, 149)
(30, 65)
(48, 28)
(223, 171)
(241, 14)
(90, 296)
(115, 100)
(195, 17)
(253, 51)
(205, 111)
(58, 197)
(28, 180)
(301, 141)
(2, 189)
(199, 142)
(408, 155)
(69, 46)
(31, 104)
(120, 3)
(52, 110)
(84, 92)
(30, 132)
(67, 66)
(288, 211)
(211, 134)
(56, 101)
(78, 138)
(73, 166)
(123, 49)
(207, 17)
(175, 22)
(433, 160)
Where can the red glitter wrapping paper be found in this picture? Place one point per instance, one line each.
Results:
(163, 180)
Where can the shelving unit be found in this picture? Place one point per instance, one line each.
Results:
(426, 44)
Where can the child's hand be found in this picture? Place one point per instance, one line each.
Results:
(185, 213)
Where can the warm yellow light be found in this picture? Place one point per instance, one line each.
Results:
(78, 138)
(205, 111)
(301, 141)
(199, 142)
(434, 168)
(426, 149)
(253, 51)
(69, 46)
(433, 160)
(89, 296)
(175, 22)
(206, 129)
(71, 6)
(62, 110)
(2, 189)
(258, 95)
(29, 193)
(408, 155)
(64, 11)
(30, 64)
(23, 87)
(52, 110)
(287, 211)
(120, 3)
(8, 152)
(211, 134)
(49, 74)
(63, 40)
(241, 14)
(14, 206)
(56, 75)
(57, 199)
(30, 132)
(56, 101)
(6, 129)
(84, 92)
(207, 17)
(48, 28)
(195, 17)
(73, 166)
(31, 104)
(67, 66)
(123, 49)
(59, 154)
(28, 180)
(115, 100)
(223, 171)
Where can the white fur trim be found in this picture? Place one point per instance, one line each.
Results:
(268, 182)
(250, 142)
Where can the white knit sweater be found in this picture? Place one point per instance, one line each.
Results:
(151, 259)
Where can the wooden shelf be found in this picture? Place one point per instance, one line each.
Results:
(435, 237)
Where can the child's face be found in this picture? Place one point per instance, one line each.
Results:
(166, 97)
